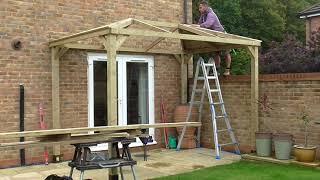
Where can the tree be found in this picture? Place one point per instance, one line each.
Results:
(291, 56)
(268, 20)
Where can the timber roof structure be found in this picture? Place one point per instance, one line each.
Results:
(194, 39)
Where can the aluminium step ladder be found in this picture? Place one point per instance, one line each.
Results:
(205, 77)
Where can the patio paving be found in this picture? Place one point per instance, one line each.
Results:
(161, 162)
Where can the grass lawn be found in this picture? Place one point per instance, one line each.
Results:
(245, 170)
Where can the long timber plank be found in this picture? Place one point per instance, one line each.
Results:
(126, 128)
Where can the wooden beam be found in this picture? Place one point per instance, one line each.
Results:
(148, 25)
(121, 24)
(147, 33)
(254, 124)
(112, 100)
(121, 49)
(68, 141)
(157, 41)
(190, 67)
(225, 35)
(116, 128)
(184, 79)
(211, 49)
(81, 36)
(55, 94)
(161, 24)
(194, 30)
(61, 51)
(95, 32)
(178, 58)
(120, 41)
(110, 45)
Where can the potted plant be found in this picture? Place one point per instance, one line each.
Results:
(305, 152)
(264, 138)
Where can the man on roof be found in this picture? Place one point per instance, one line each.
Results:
(210, 20)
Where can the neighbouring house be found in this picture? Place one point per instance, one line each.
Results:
(312, 17)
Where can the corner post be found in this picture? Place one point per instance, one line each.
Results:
(55, 98)
(254, 124)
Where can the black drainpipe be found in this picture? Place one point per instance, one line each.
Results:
(185, 9)
(21, 104)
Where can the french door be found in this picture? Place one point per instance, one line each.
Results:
(135, 83)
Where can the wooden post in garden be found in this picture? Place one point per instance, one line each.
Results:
(56, 54)
(254, 123)
(112, 43)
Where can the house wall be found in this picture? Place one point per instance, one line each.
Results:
(286, 95)
(312, 24)
(37, 22)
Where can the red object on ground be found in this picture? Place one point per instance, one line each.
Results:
(43, 127)
(164, 120)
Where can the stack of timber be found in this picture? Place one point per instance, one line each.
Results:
(79, 135)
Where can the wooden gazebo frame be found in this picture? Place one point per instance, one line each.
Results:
(111, 38)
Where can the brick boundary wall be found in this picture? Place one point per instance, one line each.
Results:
(274, 77)
(286, 93)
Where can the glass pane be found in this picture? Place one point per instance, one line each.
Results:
(100, 93)
(137, 93)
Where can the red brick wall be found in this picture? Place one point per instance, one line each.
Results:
(315, 23)
(37, 22)
(285, 93)
(312, 24)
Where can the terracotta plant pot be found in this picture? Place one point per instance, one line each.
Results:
(305, 154)
(180, 115)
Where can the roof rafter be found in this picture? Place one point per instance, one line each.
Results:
(147, 33)
(147, 25)
(100, 31)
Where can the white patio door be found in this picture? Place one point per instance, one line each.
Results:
(135, 83)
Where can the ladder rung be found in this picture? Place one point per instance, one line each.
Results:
(227, 144)
(198, 90)
(208, 65)
(217, 103)
(214, 90)
(209, 77)
(224, 130)
(197, 102)
(218, 117)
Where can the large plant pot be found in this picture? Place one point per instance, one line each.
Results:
(263, 144)
(282, 145)
(305, 154)
(180, 115)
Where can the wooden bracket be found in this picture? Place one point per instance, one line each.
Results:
(157, 41)
(60, 51)
(120, 39)
(178, 58)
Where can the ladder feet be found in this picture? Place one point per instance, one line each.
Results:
(238, 153)
(178, 149)
(218, 158)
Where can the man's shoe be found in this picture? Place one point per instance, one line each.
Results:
(226, 72)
